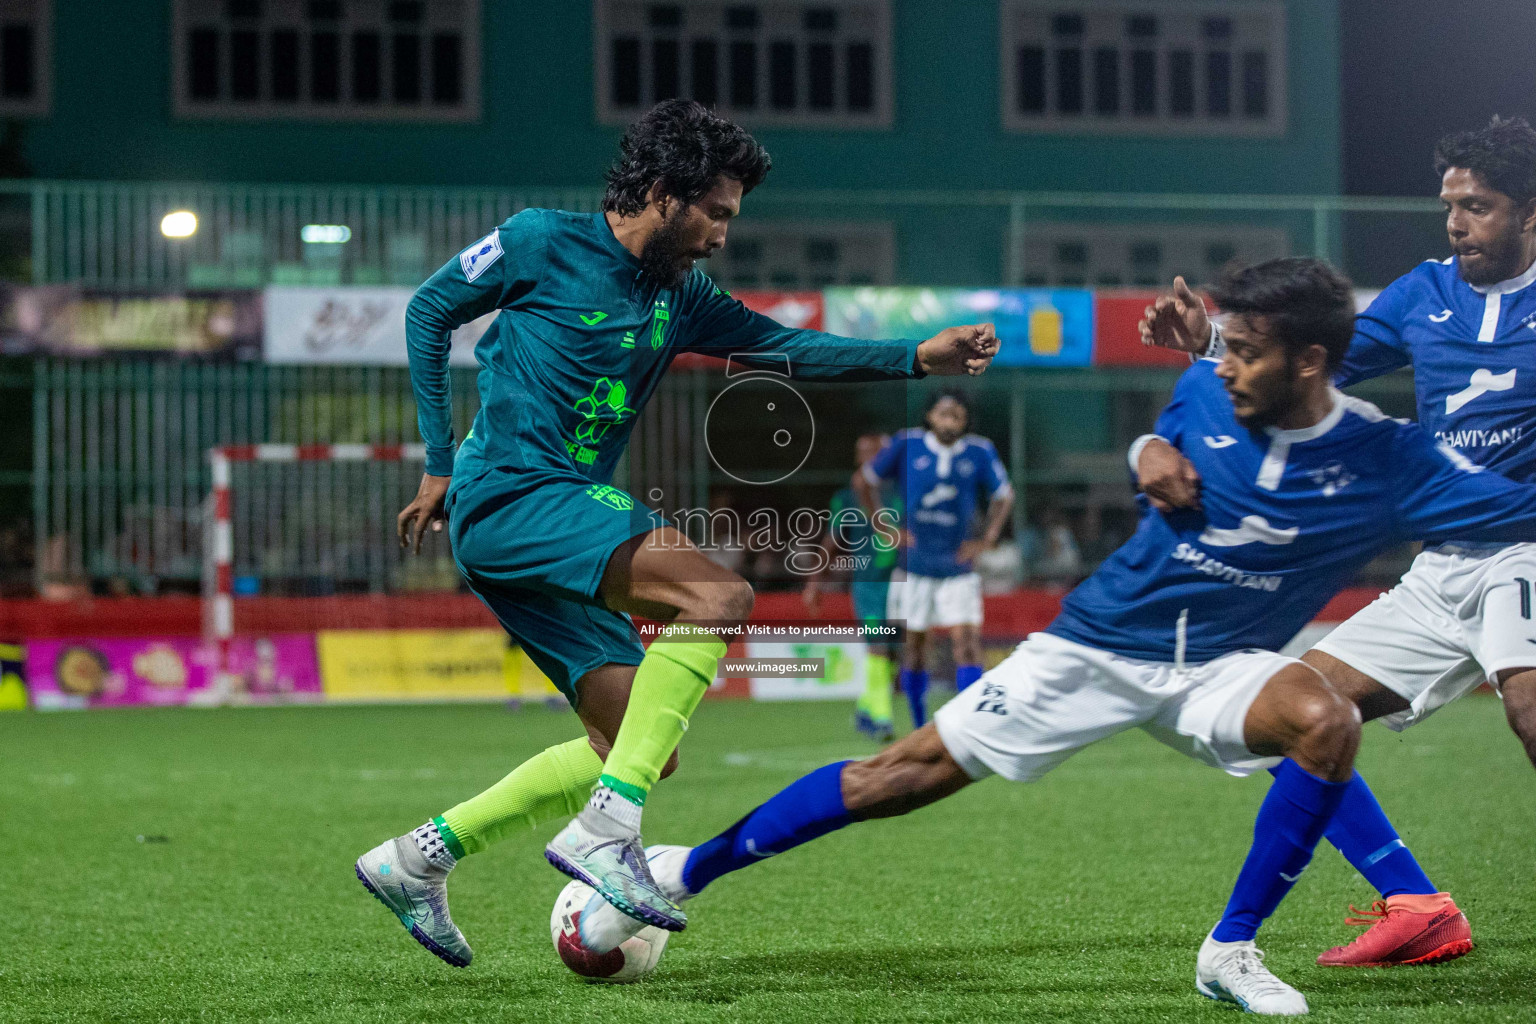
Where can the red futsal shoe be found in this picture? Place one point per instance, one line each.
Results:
(1404, 930)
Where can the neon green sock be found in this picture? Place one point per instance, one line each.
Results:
(876, 701)
(547, 785)
(677, 669)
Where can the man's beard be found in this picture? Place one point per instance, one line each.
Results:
(663, 258)
(1270, 404)
(1497, 264)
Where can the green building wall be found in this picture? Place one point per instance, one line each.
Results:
(112, 117)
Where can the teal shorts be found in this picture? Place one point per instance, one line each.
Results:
(533, 547)
(869, 600)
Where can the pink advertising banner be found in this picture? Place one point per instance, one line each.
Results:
(149, 671)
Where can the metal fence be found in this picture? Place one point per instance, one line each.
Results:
(121, 471)
(107, 235)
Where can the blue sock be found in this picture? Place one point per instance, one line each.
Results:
(1291, 821)
(965, 675)
(806, 809)
(1367, 840)
(914, 683)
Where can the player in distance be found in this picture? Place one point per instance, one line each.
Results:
(1175, 632)
(851, 534)
(1461, 616)
(942, 474)
(592, 310)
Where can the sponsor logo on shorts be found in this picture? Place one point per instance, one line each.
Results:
(1202, 562)
(612, 497)
(992, 700)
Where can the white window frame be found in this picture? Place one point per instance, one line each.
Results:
(875, 240)
(39, 15)
(1163, 123)
(878, 118)
(186, 14)
(1108, 248)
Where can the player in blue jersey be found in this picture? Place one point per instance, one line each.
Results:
(590, 311)
(1461, 616)
(1175, 632)
(852, 535)
(943, 475)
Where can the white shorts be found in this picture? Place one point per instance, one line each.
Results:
(1052, 697)
(1459, 617)
(924, 602)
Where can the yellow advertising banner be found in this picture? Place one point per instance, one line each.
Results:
(423, 664)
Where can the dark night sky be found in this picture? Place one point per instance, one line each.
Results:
(1414, 70)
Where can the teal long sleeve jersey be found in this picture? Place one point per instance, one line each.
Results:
(581, 342)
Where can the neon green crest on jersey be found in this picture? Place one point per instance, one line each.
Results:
(602, 409)
(659, 318)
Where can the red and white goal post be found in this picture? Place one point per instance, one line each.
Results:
(219, 546)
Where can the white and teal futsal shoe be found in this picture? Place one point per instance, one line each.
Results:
(416, 891)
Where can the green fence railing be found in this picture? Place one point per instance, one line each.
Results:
(107, 235)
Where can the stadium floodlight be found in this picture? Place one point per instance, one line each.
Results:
(325, 234)
(179, 224)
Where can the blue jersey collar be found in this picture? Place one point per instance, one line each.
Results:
(1317, 429)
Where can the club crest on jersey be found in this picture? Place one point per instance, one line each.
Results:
(475, 260)
(1332, 478)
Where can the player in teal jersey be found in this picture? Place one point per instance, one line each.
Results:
(869, 555)
(593, 308)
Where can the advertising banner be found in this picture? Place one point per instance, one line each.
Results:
(13, 683)
(356, 326)
(414, 664)
(154, 671)
(1117, 341)
(68, 321)
(1037, 326)
(844, 671)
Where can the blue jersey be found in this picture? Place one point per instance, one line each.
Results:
(942, 488)
(1289, 518)
(1473, 351)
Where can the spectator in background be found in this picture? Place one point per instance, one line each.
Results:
(1059, 560)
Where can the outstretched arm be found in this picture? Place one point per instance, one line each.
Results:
(720, 325)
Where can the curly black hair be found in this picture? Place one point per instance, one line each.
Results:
(1305, 300)
(1503, 155)
(685, 147)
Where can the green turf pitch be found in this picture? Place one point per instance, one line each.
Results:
(1080, 898)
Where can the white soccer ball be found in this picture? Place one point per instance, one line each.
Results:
(636, 957)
